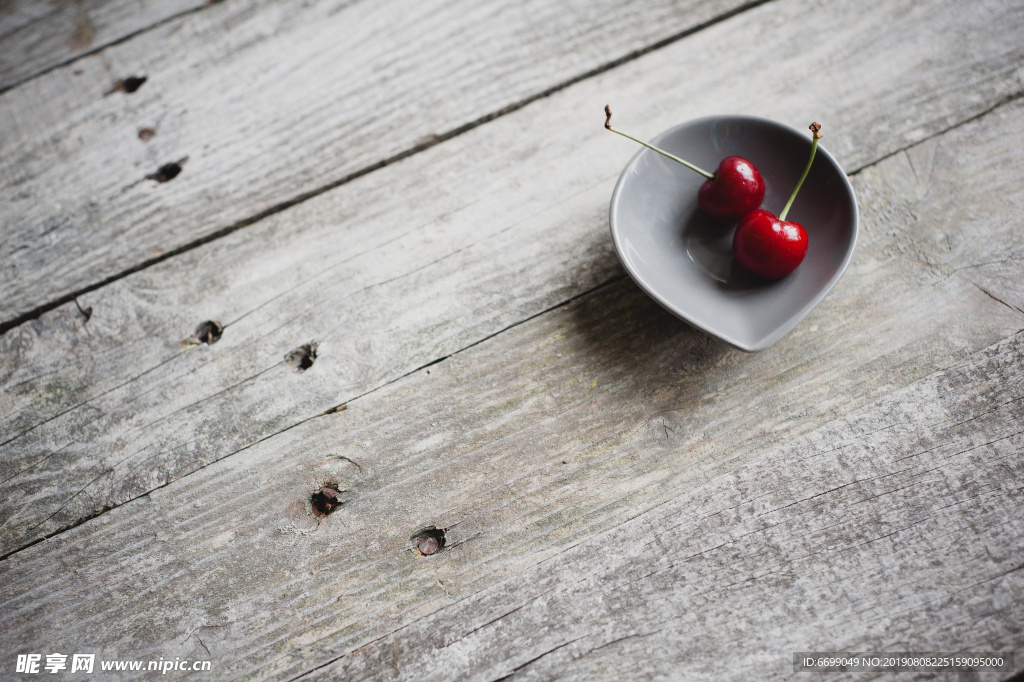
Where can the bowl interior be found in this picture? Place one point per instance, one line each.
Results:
(684, 260)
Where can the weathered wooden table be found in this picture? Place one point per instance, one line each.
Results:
(396, 214)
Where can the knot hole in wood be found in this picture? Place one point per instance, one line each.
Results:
(208, 332)
(326, 500)
(166, 172)
(302, 358)
(126, 85)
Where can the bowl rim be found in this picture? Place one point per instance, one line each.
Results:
(780, 331)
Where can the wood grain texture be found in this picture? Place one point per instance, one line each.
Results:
(897, 528)
(103, 411)
(616, 493)
(37, 36)
(268, 104)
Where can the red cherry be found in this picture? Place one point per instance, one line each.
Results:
(773, 247)
(769, 247)
(728, 195)
(736, 190)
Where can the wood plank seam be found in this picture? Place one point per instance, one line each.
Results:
(670, 567)
(100, 48)
(1002, 102)
(999, 103)
(927, 426)
(6, 325)
(1009, 99)
(978, 297)
(13, 323)
(328, 411)
(857, 170)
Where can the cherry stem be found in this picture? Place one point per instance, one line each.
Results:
(608, 125)
(816, 135)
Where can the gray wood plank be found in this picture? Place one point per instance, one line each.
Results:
(38, 36)
(105, 410)
(266, 105)
(603, 474)
(897, 528)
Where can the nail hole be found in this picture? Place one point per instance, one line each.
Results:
(146, 134)
(208, 332)
(166, 172)
(325, 500)
(429, 540)
(127, 85)
(302, 358)
(133, 83)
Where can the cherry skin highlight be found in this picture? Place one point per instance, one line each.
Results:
(736, 190)
(767, 246)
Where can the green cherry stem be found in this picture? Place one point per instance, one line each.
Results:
(608, 125)
(816, 135)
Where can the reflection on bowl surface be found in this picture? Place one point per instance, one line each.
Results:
(683, 259)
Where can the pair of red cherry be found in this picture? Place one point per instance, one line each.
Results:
(766, 245)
